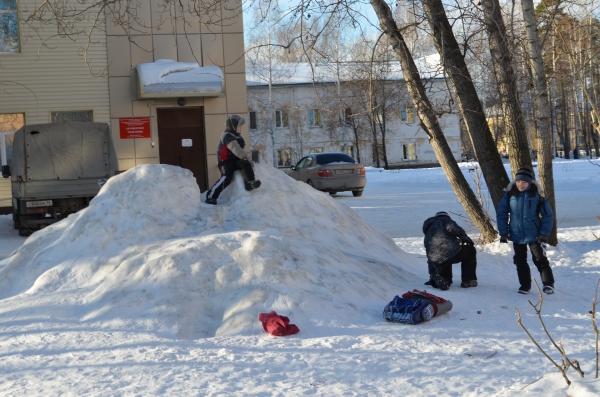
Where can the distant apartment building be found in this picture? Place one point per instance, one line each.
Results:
(164, 84)
(298, 109)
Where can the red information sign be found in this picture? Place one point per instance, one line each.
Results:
(134, 127)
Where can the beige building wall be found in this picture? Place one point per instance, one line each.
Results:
(39, 79)
(204, 43)
(42, 79)
(5, 192)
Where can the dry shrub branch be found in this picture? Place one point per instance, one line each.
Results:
(566, 362)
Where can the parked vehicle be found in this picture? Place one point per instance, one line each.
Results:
(57, 168)
(331, 172)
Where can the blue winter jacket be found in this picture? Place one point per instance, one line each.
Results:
(522, 216)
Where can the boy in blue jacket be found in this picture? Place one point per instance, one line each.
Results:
(525, 218)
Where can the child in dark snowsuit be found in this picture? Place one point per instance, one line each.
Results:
(525, 218)
(447, 243)
(232, 157)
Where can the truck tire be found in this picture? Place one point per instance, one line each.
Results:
(25, 232)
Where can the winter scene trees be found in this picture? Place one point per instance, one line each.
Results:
(452, 107)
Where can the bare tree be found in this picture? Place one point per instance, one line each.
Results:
(545, 154)
(429, 122)
(507, 86)
(470, 106)
(261, 57)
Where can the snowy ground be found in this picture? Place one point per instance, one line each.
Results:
(137, 295)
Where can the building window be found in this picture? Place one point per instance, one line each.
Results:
(349, 150)
(316, 150)
(284, 157)
(314, 117)
(9, 123)
(407, 114)
(346, 115)
(281, 119)
(252, 120)
(410, 151)
(77, 115)
(6, 147)
(255, 156)
(9, 27)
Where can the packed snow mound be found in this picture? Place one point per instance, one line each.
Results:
(149, 254)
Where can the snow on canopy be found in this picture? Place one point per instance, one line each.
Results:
(169, 71)
(149, 254)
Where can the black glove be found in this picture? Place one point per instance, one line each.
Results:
(542, 238)
(504, 238)
(467, 240)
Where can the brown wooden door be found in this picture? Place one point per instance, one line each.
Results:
(182, 141)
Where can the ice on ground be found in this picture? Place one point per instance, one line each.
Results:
(149, 254)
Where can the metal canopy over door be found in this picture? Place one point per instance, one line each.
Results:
(182, 141)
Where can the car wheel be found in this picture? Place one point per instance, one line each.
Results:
(357, 193)
(310, 183)
(332, 193)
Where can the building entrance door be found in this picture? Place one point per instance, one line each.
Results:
(182, 140)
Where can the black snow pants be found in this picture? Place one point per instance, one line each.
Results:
(538, 252)
(227, 168)
(467, 257)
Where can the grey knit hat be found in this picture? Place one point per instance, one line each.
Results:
(234, 121)
(524, 174)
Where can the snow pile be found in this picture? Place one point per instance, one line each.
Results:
(148, 254)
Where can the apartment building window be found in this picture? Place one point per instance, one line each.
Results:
(316, 150)
(349, 150)
(9, 27)
(314, 117)
(281, 119)
(76, 115)
(346, 115)
(284, 157)
(252, 120)
(410, 151)
(9, 123)
(407, 114)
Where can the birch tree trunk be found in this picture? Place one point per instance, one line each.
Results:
(469, 104)
(429, 122)
(545, 152)
(519, 155)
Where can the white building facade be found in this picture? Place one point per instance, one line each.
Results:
(309, 112)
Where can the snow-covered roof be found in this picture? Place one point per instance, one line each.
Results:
(167, 78)
(305, 73)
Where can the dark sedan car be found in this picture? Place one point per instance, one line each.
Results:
(331, 172)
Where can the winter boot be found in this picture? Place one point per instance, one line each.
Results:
(250, 185)
(212, 201)
(441, 282)
(548, 289)
(467, 284)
